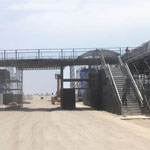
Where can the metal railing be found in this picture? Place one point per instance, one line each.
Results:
(144, 95)
(138, 52)
(143, 89)
(108, 72)
(120, 61)
(114, 84)
(67, 53)
(134, 84)
(126, 71)
(103, 61)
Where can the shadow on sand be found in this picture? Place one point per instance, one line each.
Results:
(26, 109)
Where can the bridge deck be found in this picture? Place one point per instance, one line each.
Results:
(52, 58)
(49, 63)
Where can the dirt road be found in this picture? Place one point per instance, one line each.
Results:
(41, 126)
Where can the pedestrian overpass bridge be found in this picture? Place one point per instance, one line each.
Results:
(54, 58)
(115, 66)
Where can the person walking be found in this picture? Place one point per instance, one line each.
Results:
(128, 84)
(124, 95)
(52, 99)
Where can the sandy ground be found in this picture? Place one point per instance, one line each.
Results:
(41, 126)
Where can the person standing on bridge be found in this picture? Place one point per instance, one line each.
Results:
(127, 51)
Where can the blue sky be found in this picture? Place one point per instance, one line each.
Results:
(72, 23)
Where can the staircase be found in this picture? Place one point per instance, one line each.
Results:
(132, 107)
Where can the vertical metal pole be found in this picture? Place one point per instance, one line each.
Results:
(120, 51)
(58, 92)
(73, 53)
(61, 53)
(22, 87)
(4, 54)
(72, 76)
(89, 71)
(61, 77)
(149, 46)
(16, 54)
(38, 53)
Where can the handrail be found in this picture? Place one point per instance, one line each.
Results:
(120, 61)
(47, 53)
(122, 65)
(141, 84)
(132, 79)
(113, 81)
(110, 76)
(144, 94)
(134, 84)
(103, 61)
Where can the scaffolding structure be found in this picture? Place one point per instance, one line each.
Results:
(11, 86)
(72, 76)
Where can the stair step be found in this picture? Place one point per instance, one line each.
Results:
(132, 107)
(132, 102)
(119, 83)
(132, 114)
(119, 78)
(131, 111)
(117, 74)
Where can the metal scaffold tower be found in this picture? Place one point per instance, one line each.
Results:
(72, 76)
(11, 86)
